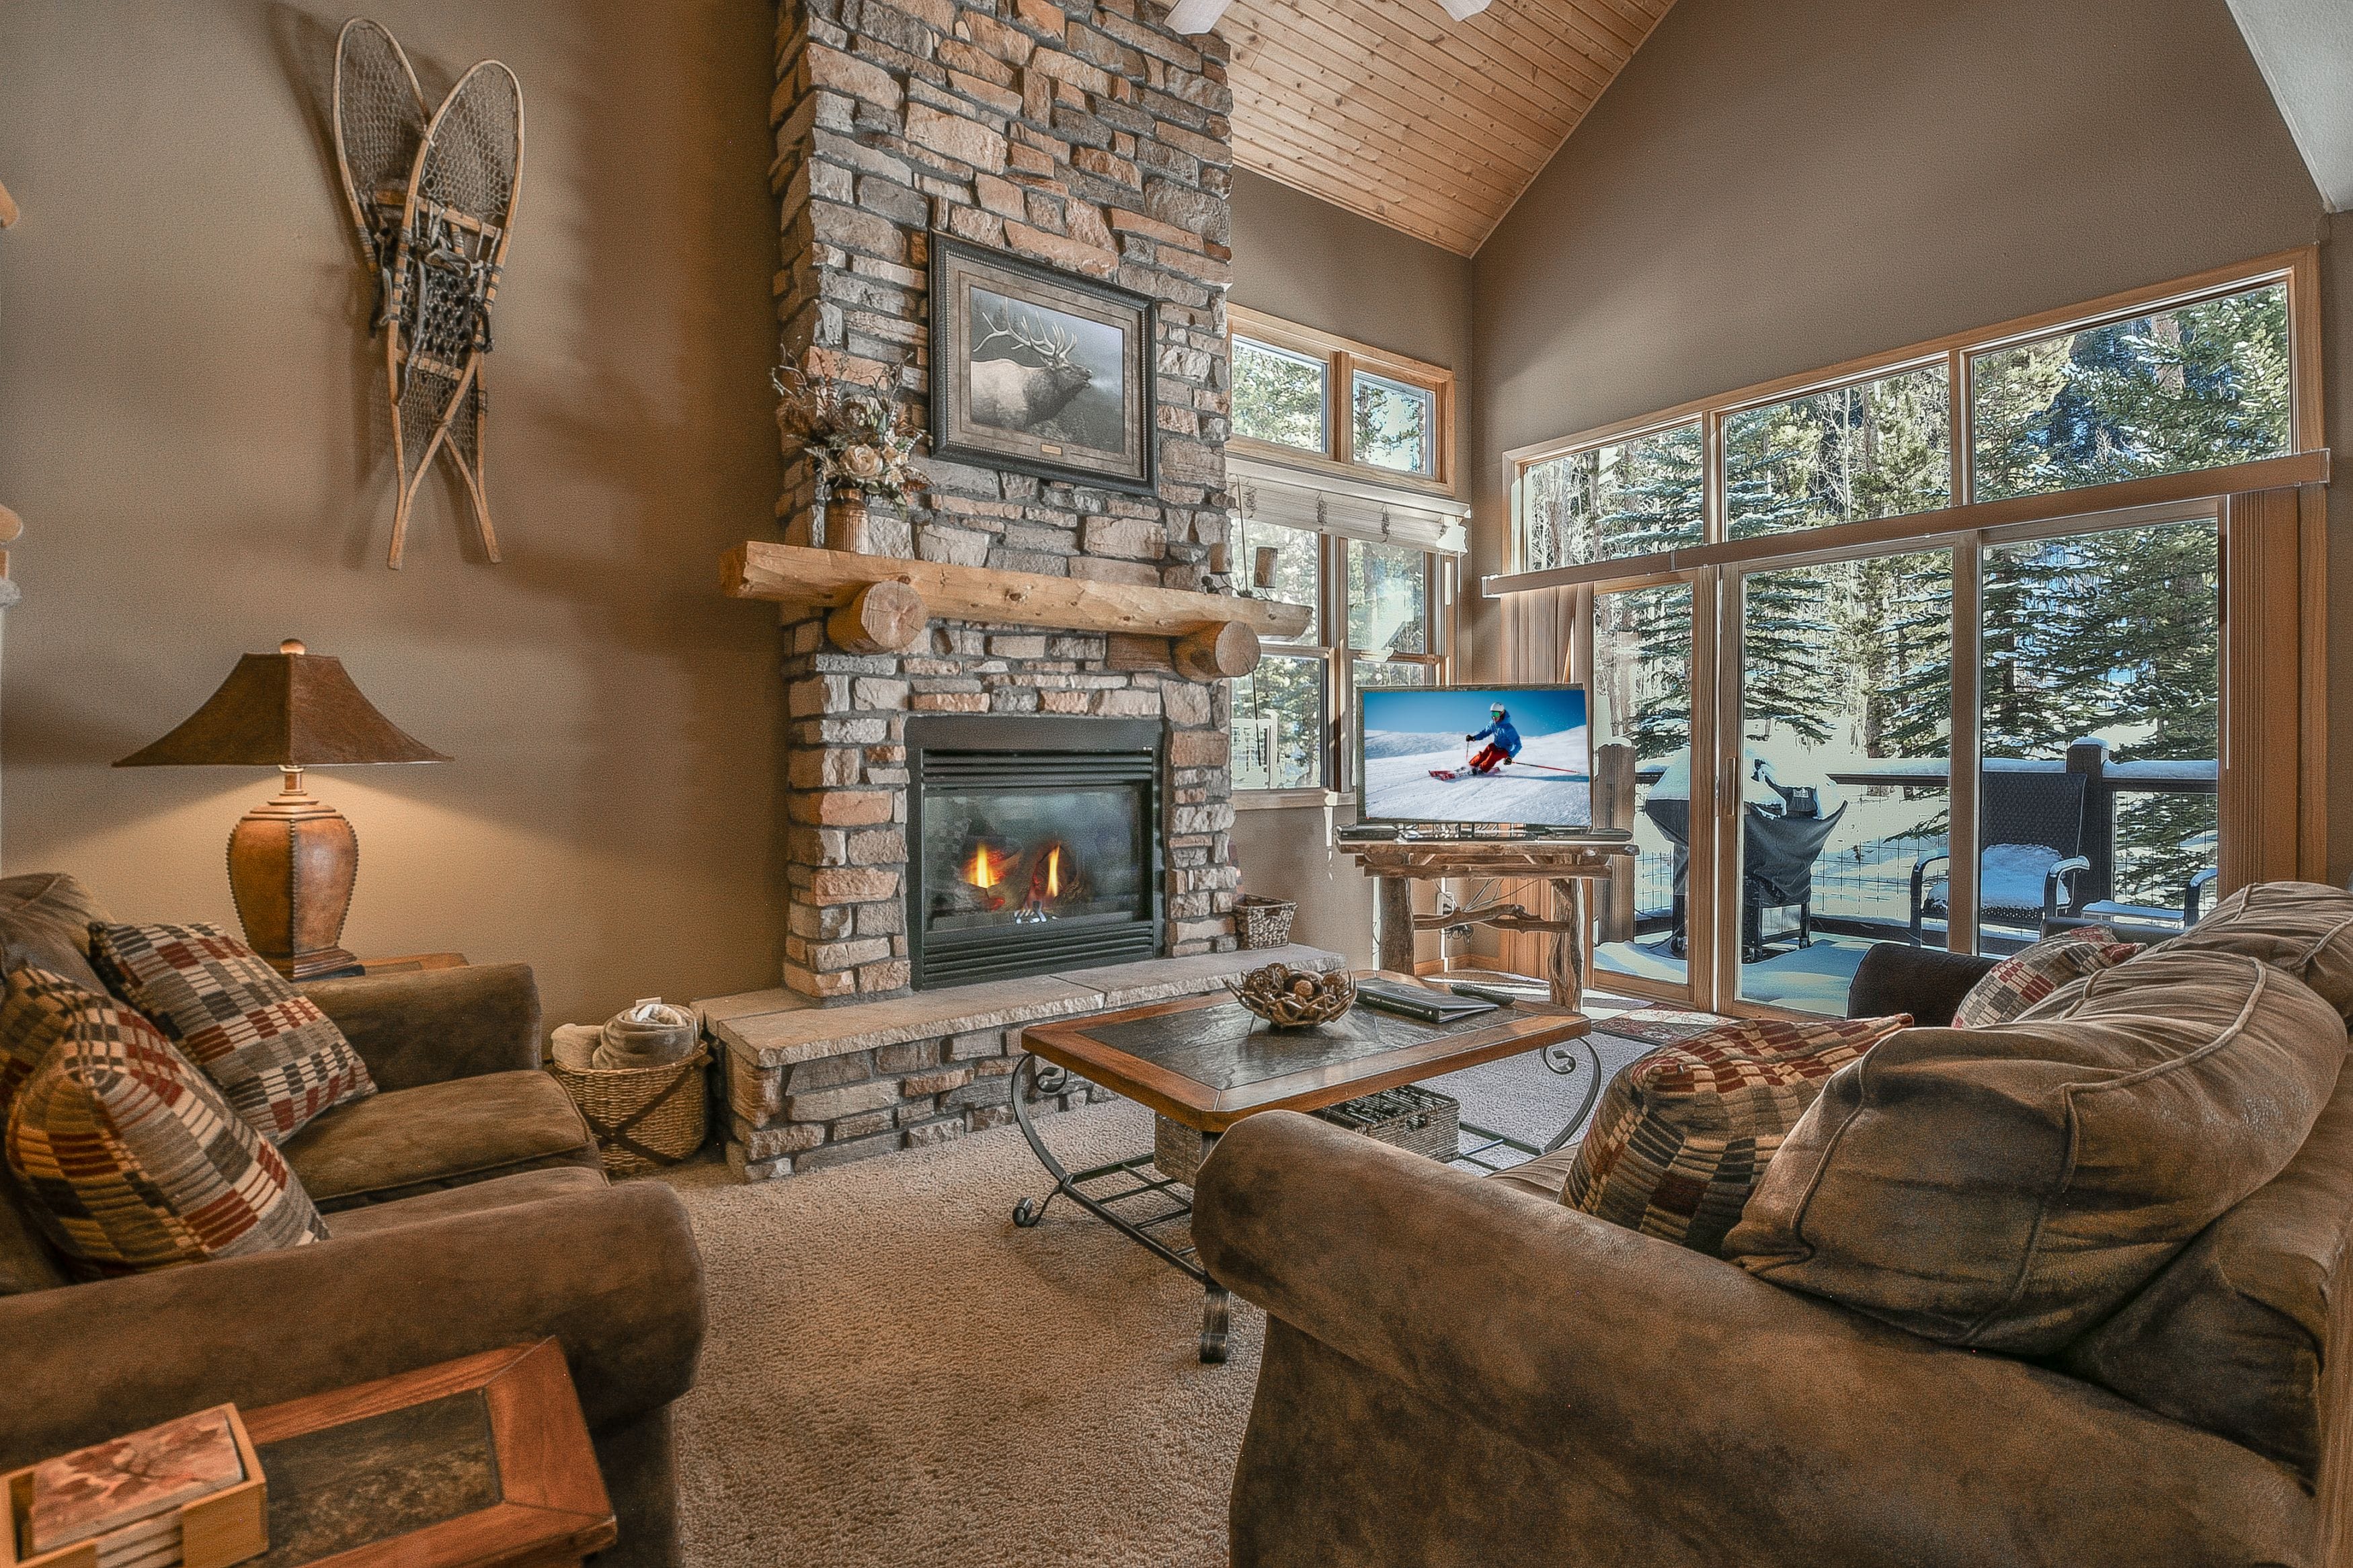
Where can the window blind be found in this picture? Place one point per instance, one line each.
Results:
(1348, 508)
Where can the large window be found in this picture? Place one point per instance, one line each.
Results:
(1868, 449)
(1279, 397)
(1627, 498)
(2013, 627)
(2194, 387)
(1394, 415)
(1381, 611)
(2162, 382)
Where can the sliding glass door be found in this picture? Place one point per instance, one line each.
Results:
(1641, 710)
(1836, 811)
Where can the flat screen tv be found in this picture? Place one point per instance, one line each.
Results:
(1475, 755)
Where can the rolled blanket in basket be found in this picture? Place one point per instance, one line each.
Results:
(574, 1046)
(650, 1034)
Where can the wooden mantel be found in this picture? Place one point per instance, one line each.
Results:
(882, 603)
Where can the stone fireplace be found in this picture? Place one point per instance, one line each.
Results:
(1001, 823)
(1087, 136)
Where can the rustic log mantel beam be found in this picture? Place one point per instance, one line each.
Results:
(1218, 634)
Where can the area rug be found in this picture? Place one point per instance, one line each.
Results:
(895, 1373)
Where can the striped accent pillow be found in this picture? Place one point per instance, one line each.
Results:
(130, 1159)
(1683, 1134)
(2037, 970)
(278, 1059)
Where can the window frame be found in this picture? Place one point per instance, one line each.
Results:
(1442, 581)
(1342, 359)
(2297, 270)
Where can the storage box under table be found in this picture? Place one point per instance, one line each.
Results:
(1419, 1121)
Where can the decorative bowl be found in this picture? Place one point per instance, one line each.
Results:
(1295, 998)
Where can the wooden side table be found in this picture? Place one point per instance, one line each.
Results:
(411, 963)
(483, 1462)
(1566, 864)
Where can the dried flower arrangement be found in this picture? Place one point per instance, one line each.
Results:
(862, 437)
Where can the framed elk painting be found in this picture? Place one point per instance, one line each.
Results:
(1039, 371)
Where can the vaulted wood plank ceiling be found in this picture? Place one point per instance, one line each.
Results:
(1390, 109)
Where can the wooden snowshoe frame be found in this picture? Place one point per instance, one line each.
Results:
(433, 203)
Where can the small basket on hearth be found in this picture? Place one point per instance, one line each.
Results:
(1263, 922)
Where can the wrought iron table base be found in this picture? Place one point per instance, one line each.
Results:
(1140, 1177)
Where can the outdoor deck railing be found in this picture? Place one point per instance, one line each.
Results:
(1864, 888)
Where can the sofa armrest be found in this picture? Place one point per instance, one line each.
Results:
(1680, 1383)
(1927, 982)
(611, 1272)
(437, 1023)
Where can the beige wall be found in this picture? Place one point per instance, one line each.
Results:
(191, 424)
(1311, 262)
(1777, 184)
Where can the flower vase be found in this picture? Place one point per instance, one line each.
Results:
(846, 524)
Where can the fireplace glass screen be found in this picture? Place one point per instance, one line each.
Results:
(997, 858)
(1032, 860)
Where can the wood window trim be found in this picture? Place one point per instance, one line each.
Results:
(1342, 358)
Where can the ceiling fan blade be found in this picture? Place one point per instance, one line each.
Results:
(1200, 15)
(1464, 10)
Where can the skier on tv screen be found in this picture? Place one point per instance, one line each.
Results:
(1503, 738)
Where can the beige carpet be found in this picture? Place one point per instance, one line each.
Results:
(896, 1374)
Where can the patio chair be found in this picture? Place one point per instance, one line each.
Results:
(2033, 837)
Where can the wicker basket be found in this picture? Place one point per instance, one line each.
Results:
(1419, 1121)
(1263, 922)
(643, 1118)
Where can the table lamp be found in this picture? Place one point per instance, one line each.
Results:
(291, 859)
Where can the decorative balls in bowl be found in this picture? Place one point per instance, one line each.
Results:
(1295, 998)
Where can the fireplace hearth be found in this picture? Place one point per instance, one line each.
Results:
(1034, 845)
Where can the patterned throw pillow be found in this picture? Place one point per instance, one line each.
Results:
(128, 1158)
(279, 1059)
(2030, 975)
(33, 1018)
(1684, 1134)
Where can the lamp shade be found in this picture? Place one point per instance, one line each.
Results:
(290, 709)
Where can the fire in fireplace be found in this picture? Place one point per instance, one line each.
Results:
(1035, 845)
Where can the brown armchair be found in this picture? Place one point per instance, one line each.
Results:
(467, 1211)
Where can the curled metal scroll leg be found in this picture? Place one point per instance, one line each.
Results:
(1026, 1075)
(1593, 1085)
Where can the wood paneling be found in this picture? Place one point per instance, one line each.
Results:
(1390, 109)
(2262, 683)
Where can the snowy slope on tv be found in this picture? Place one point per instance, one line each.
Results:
(1423, 736)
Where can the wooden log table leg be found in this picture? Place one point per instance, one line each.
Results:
(1567, 969)
(1397, 925)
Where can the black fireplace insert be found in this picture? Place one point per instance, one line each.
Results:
(1033, 844)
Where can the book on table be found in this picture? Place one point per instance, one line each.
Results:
(1416, 1002)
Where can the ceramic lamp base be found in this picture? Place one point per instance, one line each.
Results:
(292, 861)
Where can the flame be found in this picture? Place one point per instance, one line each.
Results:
(1054, 872)
(981, 875)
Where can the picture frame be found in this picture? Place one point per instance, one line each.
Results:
(1040, 371)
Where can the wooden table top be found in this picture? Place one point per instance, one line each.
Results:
(1208, 1061)
(483, 1462)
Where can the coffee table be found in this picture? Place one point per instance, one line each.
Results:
(1206, 1062)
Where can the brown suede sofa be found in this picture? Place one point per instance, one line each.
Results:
(467, 1211)
(1465, 1372)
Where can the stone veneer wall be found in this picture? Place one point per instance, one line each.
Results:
(1088, 136)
